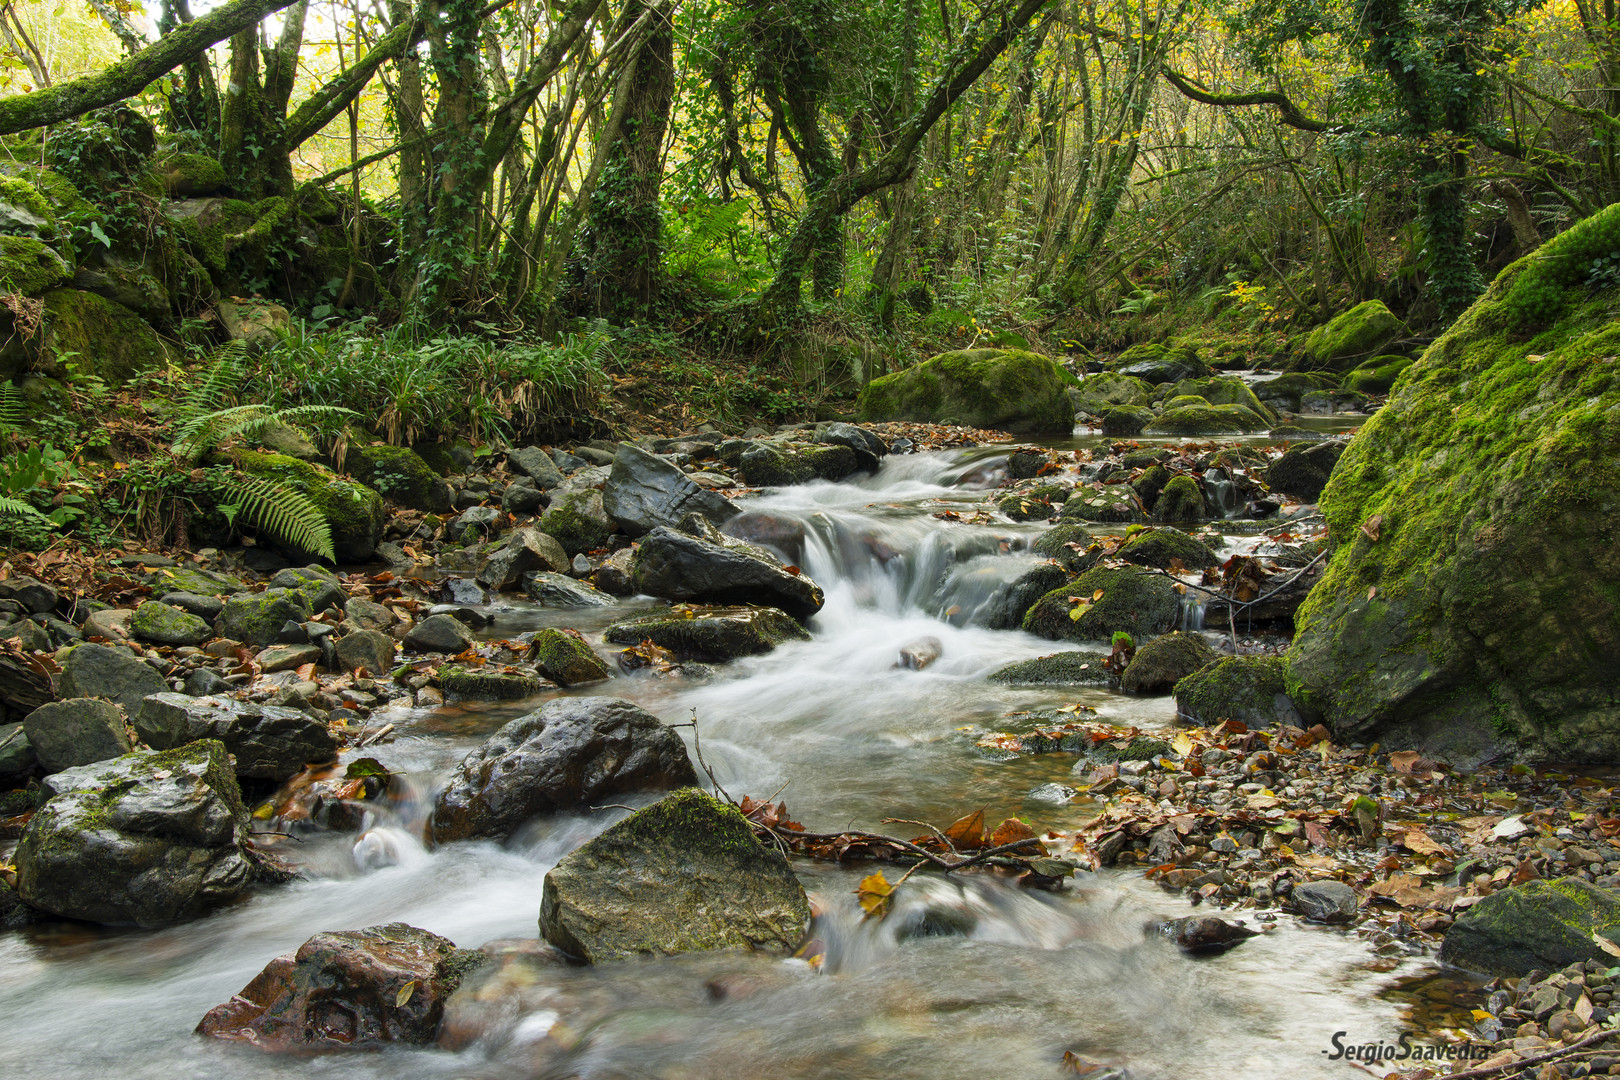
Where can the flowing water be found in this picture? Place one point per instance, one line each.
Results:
(1025, 976)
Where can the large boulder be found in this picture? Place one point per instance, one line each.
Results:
(1470, 604)
(768, 464)
(1157, 363)
(1164, 547)
(683, 875)
(257, 618)
(1006, 607)
(1540, 924)
(269, 742)
(1165, 661)
(76, 731)
(644, 491)
(102, 338)
(679, 566)
(1078, 668)
(1248, 689)
(149, 838)
(1005, 389)
(1304, 469)
(571, 751)
(1105, 390)
(93, 670)
(353, 512)
(710, 634)
(399, 474)
(1346, 340)
(1138, 602)
(1196, 419)
(348, 989)
(1378, 375)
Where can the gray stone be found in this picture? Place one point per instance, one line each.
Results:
(76, 731)
(16, 752)
(97, 671)
(571, 751)
(258, 618)
(577, 519)
(32, 594)
(321, 587)
(522, 499)
(525, 550)
(204, 607)
(204, 681)
(363, 614)
(29, 635)
(1324, 901)
(686, 874)
(644, 491)
(149, 838)
(438, 633)
(109, 623)
(710, 634)
(164, 624)
(560, 590)
(1540, 924)
(536, 464)
(477, 517)
(269, 742)
(676, 566)
(372, 650)
(287, 657)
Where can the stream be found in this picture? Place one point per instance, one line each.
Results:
(855, 739)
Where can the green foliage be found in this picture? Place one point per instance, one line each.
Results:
(1585, 257)
(280, 510)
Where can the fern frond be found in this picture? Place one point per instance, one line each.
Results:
(282, 511)
(18, 508)
(210, 431)
(210, 392)
(11, 406)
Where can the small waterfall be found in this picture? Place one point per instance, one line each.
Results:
(1190, 618)
(1223, 494)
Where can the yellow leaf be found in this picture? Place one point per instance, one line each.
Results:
(404, 994)
(1182, 744)
(875, 893)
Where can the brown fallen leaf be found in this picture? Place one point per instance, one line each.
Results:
(1372, 527)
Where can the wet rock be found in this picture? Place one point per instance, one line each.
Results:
(1351, 337)
(1163, 546)
(399, 474)
(934, 920)
(577, 519)
(1137, 602)
(204, 607)
(1102, 502)
(269, 742)
(644, 491)
(777, 465)
(1200, 935)
(149, 838)
(710, 634)
(481, 519)
(257, 618)
(461, 590)
(287, 657)
(440, 634)
(869, 449)
(17, 756)
(566, 659)
(1165, 661)
(1181, 500)
(363, 614)
(1540, 924)
(522, 497)
(686, 874)
(676, 566)
(919, 654)
(348, 989)
(561, 591)
(1324, 901)
(31, 593)
(1304, 468)
(1157, 363)
(569, 752)
(371, 650)
(616, 575)
(462, 683)
(525, 551)
(784, 534)
(535, 463)
(98, 671)
(1068, 544)
(203, 681)
(321, 587)
(1060, 669)
(1248, 689)
(1054, 794)
(76, 731)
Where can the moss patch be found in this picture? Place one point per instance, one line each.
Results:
(986, 388)
(1132, 600)
(105, 339)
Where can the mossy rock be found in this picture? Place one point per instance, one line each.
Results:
(1231, 458)
(1181, 500)
(1135, 601)
(1078, 668)
(98, 337)
(1165, 661)
(399, 475)
(1162, 546)
(30, 267)
(1036, 504)
(353, 511)
(710, 634)
(566, 660)
(1183, 401)
(1377, 375)
(1327, 402)
(166, 625)
(1003, 389)
(1150, 484)
(24, 211)
(1140, 748)
(461, 682)
(1224, 390)
(1285, 390)
(577, 521)
(1126, 420)
(1207, 420)
(1159, 364)
(257, 618)
(1479, 608)
(1147, 457)
(1248, 689)
(194, 579)
(57, 190)
(446, 459)
(1054, 544)
(1102, 502)
(185, 176)
(1102, 391)
(1344, 341)
(1305, 468)
(1540, 925)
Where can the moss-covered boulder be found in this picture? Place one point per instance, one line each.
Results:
(1163, 547)
(399, 475)
(1124, 420)
(1183, 401)
(576, 520)
(1066, 543)
(163, 624)
(1328, 402)
(1305, 468)
(1136, 601)
(353, 511)
(1378, 375)
(24, 211)
(29, 266)
(1472, 600)
(1039, 503)
(1223, 390)
(461, 682)
(99, 337)
(1207, 420)
(1157, 363)
(1078, 668)
(1249, 689)
(1346, 340)
(1546, 925)
(257, 618)
(1165, 661)
(1104, 390)
(1102, 502)
(710, 634)
(185, 176)
(1181, 500)
(566, 660)
(1004, 389)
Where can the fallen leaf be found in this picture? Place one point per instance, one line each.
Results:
(1372, 527)
(967, 833)
(1605, 944)
(875, 894)
(404, 994)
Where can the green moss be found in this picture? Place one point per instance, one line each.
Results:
(57, 190)
(25, 197)
(577, 521)
(1105, 502)
(1207, 420)
(106, 339)
(1054, 544)
(1140, 748)
(710, 633)
(1181, 500)
(1232, 688)
(29, 267)
(1133, 600)
(487, 683)
(1060, 669)
(567, 660)
(1377, 375)
(1097, 393)
(1165, 661)
(985, 388)
(1182, 401)
(1126, 420)
(400, 475)
(184, 175)
(1161, 546)
(1348, 338)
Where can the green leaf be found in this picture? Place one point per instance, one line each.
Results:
(95, 231)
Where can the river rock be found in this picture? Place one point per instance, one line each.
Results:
(77, 731)
(1324, 901)
(1540, 924)
(149, 838)
(1078, 668)
(440, 634)
(1341, 343)
(489, 683)
(565, 658)
(782, 534)
(710, 634)
(1135, 601)
(98, 671)
(577, 519)
(525, 550)
(162, 624)
(644, 491)
(1248, 689)
(616, 576)
(686, 874)
(31, 593)
(1163, 546)
(919, 654)
(321, 587)
(1005, 389)
(1161, 663)
(1157, 363)
(568, 752)
(1194, 419)
(1304, 469)
(1007, 606)
(561, 591)
(257, 618)
(1200, 935)
(269, 742)
(372, 650)
(869, 449)
(17, 757)
(537, 465)
(676, 566)
(348, 989)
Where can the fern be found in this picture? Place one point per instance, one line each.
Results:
(11, 407)
(707, 228)
(208, 431)
(282, 511)
(18, 508)
(213, 390)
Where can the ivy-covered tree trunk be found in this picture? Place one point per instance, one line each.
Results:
(626, 224)
(253, 115)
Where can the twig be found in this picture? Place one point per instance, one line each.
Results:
(983, 855)
(614, 806)
(386, 729)
(895, 841)
(697, 748)
(1497, 1070)
(906, 821)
